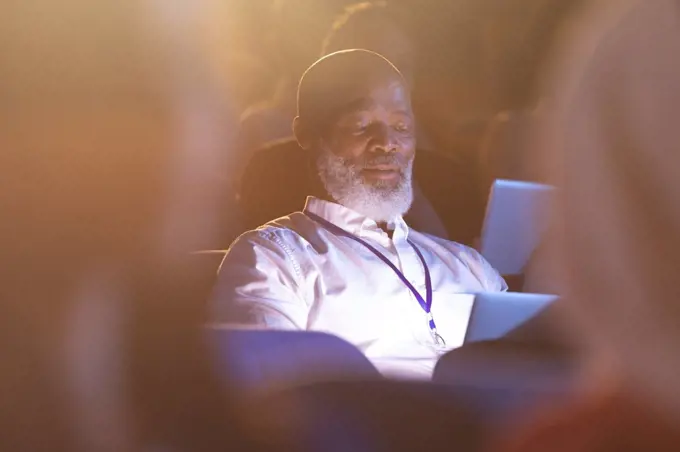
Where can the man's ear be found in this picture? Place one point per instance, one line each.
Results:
(302, 134)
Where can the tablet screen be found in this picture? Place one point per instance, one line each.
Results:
(516, 219)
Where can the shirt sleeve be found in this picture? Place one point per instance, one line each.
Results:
(257, 285)
(491, 280)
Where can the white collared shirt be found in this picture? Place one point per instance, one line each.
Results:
(294, 273)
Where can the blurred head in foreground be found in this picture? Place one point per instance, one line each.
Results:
(104, 166)
(354, 113)
(615, 135)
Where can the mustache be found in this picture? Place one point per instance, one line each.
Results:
(384, 159)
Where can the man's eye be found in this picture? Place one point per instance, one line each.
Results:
(360, 127)
(402, 127)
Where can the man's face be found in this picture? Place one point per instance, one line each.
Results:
(367, 149)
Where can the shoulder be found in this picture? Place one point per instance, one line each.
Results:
(288, 229)
(292, 233)
(469, 257)
(289, 243)
(460, 250)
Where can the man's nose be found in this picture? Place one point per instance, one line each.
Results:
(383, 139)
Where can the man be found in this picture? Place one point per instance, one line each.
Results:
(277, 178)
(349, 264)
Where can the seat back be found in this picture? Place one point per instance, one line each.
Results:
(378, 416)
(265, 360)
(503, 378)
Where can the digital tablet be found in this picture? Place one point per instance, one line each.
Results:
(495, 314)
(517, 217)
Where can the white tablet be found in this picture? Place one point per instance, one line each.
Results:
(516, 219)
(495, 314)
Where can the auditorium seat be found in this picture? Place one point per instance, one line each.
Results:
(503, 378)
(267, 360)
(279, 177)
(375, 416)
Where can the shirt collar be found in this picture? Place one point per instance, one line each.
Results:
(351, 221)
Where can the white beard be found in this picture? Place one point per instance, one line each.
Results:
(379, 202)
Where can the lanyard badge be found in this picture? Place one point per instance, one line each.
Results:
(425, 303)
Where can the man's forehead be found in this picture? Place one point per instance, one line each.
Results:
(351, 79)
(392, 93)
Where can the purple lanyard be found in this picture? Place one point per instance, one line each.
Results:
(425, 303)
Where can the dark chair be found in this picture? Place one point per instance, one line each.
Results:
(266, 360)
(376, 416)
(279, 177)
(503, 377)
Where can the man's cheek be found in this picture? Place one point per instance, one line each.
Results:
(408, 149)
(408, 141)
(350, 148)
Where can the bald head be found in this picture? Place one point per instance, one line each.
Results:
(354, 113)
(336, 81)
